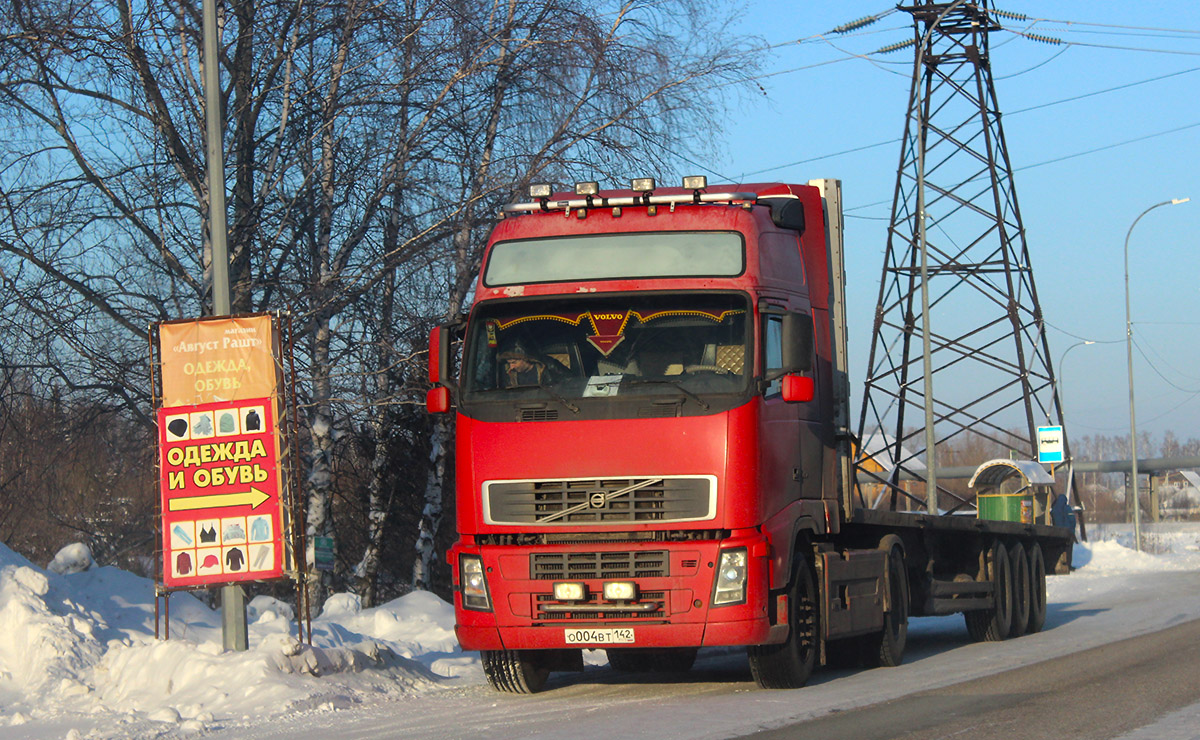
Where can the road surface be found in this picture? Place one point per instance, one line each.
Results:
(944, 675)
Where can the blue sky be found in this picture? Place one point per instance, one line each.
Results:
(1084, 170)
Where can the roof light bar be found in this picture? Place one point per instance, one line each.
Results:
(644, 199)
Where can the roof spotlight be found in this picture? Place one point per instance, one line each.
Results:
(642, 184)
(587, 188)
(695, 182)
(540, 190)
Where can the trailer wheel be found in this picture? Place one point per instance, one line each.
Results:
(1037, 591)
(992, 625)
(651, 660)
(886, 648)
(515, 671)
(1021, 590)
(789, 664)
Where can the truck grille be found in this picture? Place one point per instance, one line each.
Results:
(600, 501)
(583, 566)
(590, 616)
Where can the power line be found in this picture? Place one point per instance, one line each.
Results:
(1107, 147)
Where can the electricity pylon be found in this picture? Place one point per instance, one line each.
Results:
(958, 346)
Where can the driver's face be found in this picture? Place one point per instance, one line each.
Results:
(517, 364)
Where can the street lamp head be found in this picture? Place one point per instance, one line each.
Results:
(1177, 201)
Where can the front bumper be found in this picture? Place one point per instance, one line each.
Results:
(673, 608)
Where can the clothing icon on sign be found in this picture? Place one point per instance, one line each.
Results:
(210, 561)
(260, 529)
(234, 532)
(227, 423)
(260, 560)
(183, 563)
(203, 426)
(208, 534)
(178, 427)
(235, 559)
(178, 530)
(253, 422)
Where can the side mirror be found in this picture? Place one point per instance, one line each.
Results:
(437, 400)
(797, 342)
(798, 389)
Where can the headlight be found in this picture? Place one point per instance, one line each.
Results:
(620, 591)
(730, 587)
(474, 583)
(569, 591)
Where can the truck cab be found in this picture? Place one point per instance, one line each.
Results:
(645, 424)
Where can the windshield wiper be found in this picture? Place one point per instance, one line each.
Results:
(656, 381)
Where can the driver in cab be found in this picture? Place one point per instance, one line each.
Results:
(521, 368)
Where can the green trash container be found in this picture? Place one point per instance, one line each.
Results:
(1006, 507)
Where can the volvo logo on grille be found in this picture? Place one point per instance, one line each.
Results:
(598, 499)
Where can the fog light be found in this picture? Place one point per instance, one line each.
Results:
(730, 587)
(620, 591)
(587, 188)
(474, 584)
(695, 182)
(570, 592)
(540, 190)
(642, 184)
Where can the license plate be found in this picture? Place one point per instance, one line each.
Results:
(614, 636)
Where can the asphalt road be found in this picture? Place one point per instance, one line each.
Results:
(1104, 692)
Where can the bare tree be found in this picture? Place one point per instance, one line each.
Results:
(368, 147)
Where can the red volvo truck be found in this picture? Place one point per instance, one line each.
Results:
(652, 452)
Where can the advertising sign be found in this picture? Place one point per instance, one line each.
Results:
(220, 359)
(221, 485)
(222, 515)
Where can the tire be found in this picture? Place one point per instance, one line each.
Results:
(515, 671)
(992, 625)
(790, 664)
(1021, 590)
(650, 660)
(886, 648)
(1037, 591)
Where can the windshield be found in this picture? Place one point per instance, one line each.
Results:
(613, 256)
(682, 346)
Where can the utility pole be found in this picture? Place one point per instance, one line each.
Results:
(957, 309)
(233, 598)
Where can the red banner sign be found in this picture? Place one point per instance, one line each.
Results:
(222, 516)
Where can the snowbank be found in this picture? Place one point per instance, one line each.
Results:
(80, 643)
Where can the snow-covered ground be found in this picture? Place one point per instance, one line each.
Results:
(78, 659)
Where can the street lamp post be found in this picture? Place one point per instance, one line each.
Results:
(1137, 513)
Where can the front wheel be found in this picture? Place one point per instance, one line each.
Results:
(789, 664)
(515, 671)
